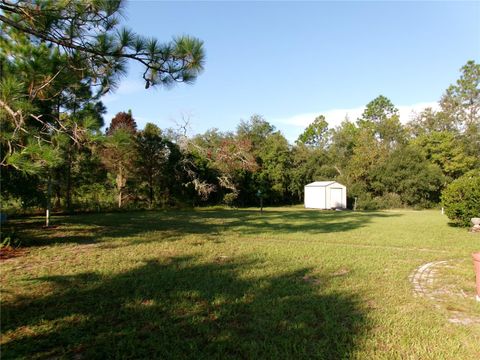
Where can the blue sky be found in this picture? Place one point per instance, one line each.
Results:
(291, 61)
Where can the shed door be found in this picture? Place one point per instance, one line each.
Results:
(336, 198)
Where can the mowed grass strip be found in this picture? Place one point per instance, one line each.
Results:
(219, 283)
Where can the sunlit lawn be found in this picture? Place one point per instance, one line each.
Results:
(217, 284)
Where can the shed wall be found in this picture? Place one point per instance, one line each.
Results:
(320, 197)
(315, 197)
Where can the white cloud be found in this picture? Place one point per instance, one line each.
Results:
(407, 112)
(335, 116)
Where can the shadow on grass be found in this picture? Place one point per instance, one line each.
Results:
(183, 308)
(457, 225)
(173, 225)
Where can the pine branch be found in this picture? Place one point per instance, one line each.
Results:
(153, 59)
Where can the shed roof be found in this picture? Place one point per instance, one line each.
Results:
(320, 183)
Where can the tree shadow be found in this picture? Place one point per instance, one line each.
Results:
(158, 226)
(457, 225)
(183, 308)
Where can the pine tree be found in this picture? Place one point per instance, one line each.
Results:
(57, 56)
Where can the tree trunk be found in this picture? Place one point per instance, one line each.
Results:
(119, 198)
(49, 195)
(150, 190)
(68, 195)
(338, 170)
(120, 185)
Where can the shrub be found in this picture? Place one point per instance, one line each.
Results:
(94, 197)
(230, 198)
(389, 201)
(409, 174)
(461, 199)
(9, 238)
(365, 201)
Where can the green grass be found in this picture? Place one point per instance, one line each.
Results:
(216, 284)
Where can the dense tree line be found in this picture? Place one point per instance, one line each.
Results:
(383, 162)
(57, 60)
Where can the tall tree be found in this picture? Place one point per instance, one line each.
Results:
(462, 99)
(50, 50)
(461, 102)
(118, 154)
(276, 161)
(125, 121)
(366, 154)
(445, 149)
(344, 139)
(256, 130)
(429, 121)
(407, 172)
(306, 166)
(233, 156)
(153, 155)
(89, 120)
(316, 134)
(382, 116)
(89, 30)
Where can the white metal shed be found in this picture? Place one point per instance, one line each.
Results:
(325, 195)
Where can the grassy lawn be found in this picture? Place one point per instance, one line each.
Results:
(216, 284)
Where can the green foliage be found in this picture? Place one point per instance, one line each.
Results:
(366, 154)
(316, 134)
(275, 158)
(215, 283)
(446, 149)
(229, 198)
(407, 172)
(382, 117)
(390, 201)
(60, 57)
(343, 142)
(9, 238)
(153, 163)
(35, 157)
(306, 166)
(90, 30)
(383, 163)
(94, 197)
(461, 103)
(256, 130)
(51, 96)
(379, 109)
(462, 100)
(430, 121)
(20, 191)
(118, 156)
(365, 199)
(461, 199)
